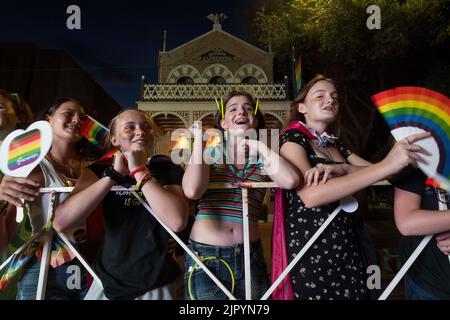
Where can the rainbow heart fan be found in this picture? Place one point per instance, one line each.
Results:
(409, 110)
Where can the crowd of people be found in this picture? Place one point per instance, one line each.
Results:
(130, 251)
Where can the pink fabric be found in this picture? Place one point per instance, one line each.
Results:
(280, 260)
(279, 251)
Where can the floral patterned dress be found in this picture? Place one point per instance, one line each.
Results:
(331, 269)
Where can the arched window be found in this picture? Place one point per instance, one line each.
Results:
(250, 80)
(217, 80)
(185, 80)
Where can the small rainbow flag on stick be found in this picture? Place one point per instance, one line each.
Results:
(24, 149)
(60, 254)
(410, 110)
(94, 131)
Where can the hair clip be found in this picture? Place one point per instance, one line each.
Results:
(15, 95)
(220, 107)
(257, 104)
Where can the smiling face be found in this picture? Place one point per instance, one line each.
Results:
(239, 115)
(8, 117)
(133, 130)
(66, 121)
(321, 103)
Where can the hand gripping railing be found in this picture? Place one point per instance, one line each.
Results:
(345, 204)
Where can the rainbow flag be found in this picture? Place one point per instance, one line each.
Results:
(17, 263)
(60, 254)
(94, 131)
(424, 109)
(24, 149)
(298, 74)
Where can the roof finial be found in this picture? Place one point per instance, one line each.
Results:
(217, 18)
(164, 41)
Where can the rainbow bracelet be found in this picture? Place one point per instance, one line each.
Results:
(138, 169)
(143, 180)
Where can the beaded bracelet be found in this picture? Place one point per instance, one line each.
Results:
(138, 169)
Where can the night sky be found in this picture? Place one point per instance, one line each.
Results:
(119, 41)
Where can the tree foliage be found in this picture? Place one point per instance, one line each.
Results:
(411, 48)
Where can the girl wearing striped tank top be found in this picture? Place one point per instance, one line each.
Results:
(217, 233)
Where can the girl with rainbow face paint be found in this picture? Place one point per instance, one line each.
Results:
(133, 260)
(218, 230)
(132, 132)
(332, 268)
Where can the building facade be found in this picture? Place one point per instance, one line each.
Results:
(192, 75)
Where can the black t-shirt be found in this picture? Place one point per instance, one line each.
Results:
(133, 257)
(431, 270)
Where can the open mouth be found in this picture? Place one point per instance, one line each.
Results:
(241, 121)
(329, 109)
(140, 141)
(73, 127)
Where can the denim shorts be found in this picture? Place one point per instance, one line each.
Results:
(414, 292)
(203, 288)
(66, 282)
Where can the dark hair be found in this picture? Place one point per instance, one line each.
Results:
(56, 104)
(85, 149)
(236, 93)
(295, 115)
(23, 111)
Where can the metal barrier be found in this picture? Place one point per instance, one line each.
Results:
(48, 236)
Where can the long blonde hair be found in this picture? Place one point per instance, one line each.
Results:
(112, 125)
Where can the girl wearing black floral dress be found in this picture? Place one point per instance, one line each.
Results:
(332, 268)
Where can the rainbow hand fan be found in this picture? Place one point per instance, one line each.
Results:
(409, 110)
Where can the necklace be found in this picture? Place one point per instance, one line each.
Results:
(247, 171)
(64, 172)
(327, 152)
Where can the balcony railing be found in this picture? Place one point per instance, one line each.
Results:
(195, 92)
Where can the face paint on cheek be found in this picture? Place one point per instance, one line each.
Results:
(316, 100)
(125, 137)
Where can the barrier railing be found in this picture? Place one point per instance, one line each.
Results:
(188, 92)
(48, 236)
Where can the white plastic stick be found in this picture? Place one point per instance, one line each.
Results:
(405, 267)
(181, 243)
(247, 270)
(46, 251)
(19, 250)
(45, 261)
(301, 253)
(80, 257)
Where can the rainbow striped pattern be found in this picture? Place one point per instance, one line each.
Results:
(60, 254)
(24, 149)
(17, 263)
(94, 131)
(421, 108)
(226, 204)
